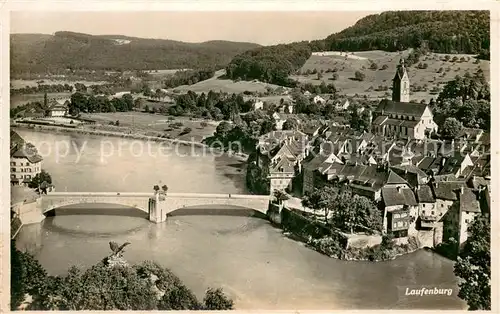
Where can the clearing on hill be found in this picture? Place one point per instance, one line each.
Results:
(219, 83)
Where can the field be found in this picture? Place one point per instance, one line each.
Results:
(217, 83)
(139, 122)
(346, 68)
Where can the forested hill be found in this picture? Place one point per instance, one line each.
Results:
(42, 53)
(443, 31)
(439, 31)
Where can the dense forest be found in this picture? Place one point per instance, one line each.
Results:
(272, 64)
(441, 31)
(67, 50)
(188, 77)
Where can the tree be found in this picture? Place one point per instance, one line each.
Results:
(128, 101)
(30, 276)
(359, 76)
(17, 289)
(38, 179)
(321, 199)
(223, 129)
(178, 298)
(280, 196)
(473, 266)
(451, 128)
(215, 299)
(291, 124)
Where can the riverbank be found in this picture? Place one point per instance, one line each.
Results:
(121, 134)
(335, 244)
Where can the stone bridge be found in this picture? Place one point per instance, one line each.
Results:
(158, 206)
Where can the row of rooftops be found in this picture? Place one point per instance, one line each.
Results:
(436, 156)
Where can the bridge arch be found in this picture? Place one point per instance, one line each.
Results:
(217, 210)
(54, 201)
(159, 209)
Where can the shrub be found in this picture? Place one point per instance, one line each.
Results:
(359, 76)
(185, 131)
(384, 67)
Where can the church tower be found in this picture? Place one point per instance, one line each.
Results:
(401, 84)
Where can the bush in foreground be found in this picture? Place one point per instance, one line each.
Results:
(146, 286)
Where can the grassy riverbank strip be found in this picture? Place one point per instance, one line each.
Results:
(121, 134)
(296, 225)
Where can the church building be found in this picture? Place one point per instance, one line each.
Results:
(399, 117)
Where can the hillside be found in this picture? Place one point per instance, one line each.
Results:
(54, 53)
(378, 81)
(465, 32)
(443, 31)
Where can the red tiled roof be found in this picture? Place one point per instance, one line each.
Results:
(394, 196)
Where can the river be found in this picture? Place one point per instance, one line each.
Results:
(251, 260)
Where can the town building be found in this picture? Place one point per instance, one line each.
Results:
(280, 119)
(319, 100)
(400, 207)
(342, 104)
(25, 163)
(399, 117)
(257, 104)
(56, 109)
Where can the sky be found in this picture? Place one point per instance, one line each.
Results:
(265, 28)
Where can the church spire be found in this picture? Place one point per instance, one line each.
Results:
(401, 84)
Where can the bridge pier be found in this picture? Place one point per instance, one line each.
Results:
(157, 208)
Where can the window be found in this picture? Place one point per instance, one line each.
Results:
(442, 205)
(13, 169)
(12, 176)
(466, 221)
(432, 212)
(423, 212)
(12, 163)
(28, 177)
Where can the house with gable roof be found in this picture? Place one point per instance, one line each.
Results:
(25, 162)
(400, 207)
(56, 109)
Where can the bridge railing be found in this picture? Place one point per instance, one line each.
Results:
(149, 194)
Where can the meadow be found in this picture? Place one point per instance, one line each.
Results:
(220, 84)
(428, 77)
(140, 122)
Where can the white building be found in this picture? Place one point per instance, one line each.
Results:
(25, 164)
(319, 100)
